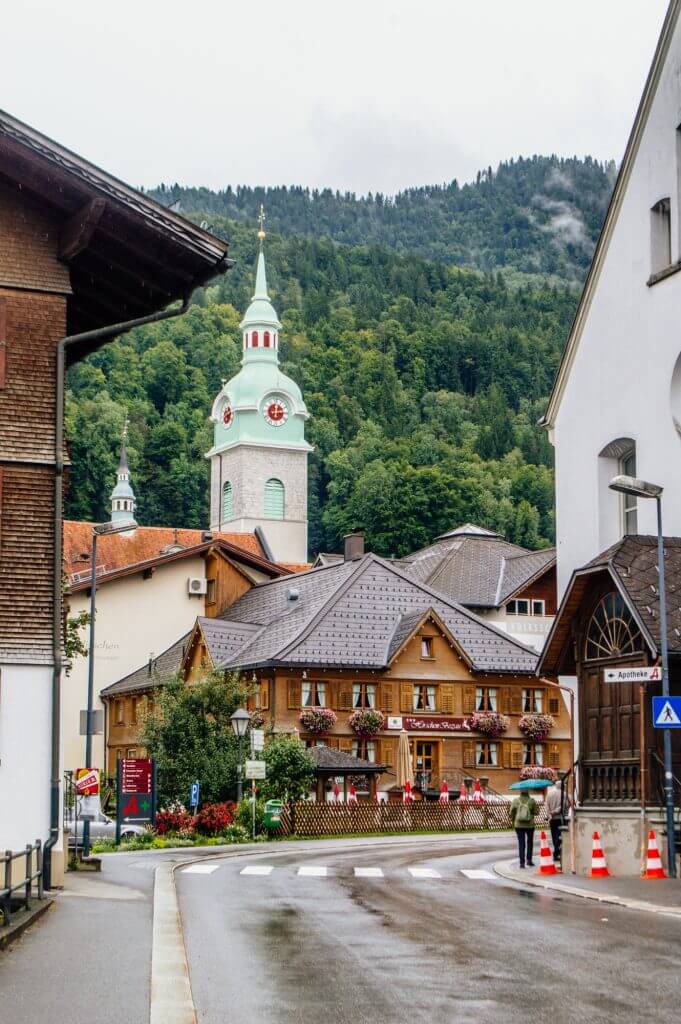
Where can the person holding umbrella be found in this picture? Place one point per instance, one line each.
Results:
(523, 812)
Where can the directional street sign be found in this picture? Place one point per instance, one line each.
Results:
(256, 769)
(257, 739)
(633, 675)
(667, 712)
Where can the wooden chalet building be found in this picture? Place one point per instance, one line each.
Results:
(81, 255)
(361, 634)
(609, 618)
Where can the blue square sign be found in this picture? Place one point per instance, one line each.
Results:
(667, 712)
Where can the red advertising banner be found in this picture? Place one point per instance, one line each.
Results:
(87, 781)
(431, 723)
(136, 775)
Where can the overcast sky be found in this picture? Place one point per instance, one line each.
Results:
(362, 95)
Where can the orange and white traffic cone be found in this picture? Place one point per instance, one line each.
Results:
(654, 867)
(599, 868)
(546, 863)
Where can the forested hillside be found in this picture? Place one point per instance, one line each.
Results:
(424, 381)
(539, 215)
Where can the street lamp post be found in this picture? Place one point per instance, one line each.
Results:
(240, 720)
(97, 531)
(642, 489)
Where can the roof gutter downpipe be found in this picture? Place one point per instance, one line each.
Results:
(100, 334)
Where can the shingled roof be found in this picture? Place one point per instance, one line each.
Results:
(632, 565)
(152, 673)
(348, 614)
(327, 759)
(476, 567)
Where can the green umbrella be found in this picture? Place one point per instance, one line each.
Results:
(531, 784)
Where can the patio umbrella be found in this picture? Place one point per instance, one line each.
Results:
(478, 797)
(405, 772)
(444, 792)
(352, 795)
(407, 795)
(336, 792)
(463, 792)
(531, 784)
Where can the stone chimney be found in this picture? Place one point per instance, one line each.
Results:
(354, 546)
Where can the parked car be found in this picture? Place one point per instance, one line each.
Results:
(103, 827)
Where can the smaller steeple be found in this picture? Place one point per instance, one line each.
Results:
(123, 501)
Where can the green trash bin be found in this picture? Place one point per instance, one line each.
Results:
(273, 809)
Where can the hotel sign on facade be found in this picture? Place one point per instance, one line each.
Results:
(429, 723)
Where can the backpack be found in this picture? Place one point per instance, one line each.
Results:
(523, 815)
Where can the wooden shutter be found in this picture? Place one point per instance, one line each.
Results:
(344, 696)
(331, 742)
(554, 705)
(515, 700)
(406, 698)
(331, 695)
(345, 743)
(386, 697)
(468, 754)
(1, 506)
(513, 755)
(387, 753)
(294, 698)
(446, 695)
(264, 694)
(3, 342)
(468, 700)
(554, 755)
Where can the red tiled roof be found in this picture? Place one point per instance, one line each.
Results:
(117, 550)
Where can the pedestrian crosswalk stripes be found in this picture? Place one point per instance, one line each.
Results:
(424, 873)
(257, 869)
(200, 869)
(313, 871)
(368, 872)
(477, 873)
(415, 872)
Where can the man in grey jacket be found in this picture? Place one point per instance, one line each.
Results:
(557, 803)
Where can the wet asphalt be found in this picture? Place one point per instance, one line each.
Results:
(341, 949)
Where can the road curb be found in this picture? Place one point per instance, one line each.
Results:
(504, 871)
(171, 994)
(22, 920)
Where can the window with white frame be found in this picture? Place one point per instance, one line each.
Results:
(629, 507)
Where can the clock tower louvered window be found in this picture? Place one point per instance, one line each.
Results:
(274, 499)
(226, 502)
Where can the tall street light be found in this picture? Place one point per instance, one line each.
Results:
(641, 489)
(104, 529)
(239, 720)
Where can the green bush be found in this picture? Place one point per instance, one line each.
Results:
(244, 816)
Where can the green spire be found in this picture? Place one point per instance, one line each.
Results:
(260, 278)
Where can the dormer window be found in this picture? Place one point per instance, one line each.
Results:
(426, 647)
(660, 236)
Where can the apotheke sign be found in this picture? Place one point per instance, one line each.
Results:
(429, 723)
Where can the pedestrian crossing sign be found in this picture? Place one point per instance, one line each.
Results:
(667, 712)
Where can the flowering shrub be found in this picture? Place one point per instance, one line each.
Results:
(174, 818)
(257, 719)
(317, 720)
(490, 723)
(536, 771)
(366, 721)
(213, 819)
(536, 727)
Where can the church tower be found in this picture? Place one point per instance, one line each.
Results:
(123, 501)
(259, 454)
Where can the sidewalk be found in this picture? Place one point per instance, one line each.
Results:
(661, 896)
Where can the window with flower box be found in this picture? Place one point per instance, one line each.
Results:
(533, 753)
(533, 702)
(366, 749)
(364, 695)
(313, 695)
(486, 698)
(424, 697)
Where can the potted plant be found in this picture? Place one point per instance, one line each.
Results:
(366, 722)
(317, 720)
(257, 719)
(489, 723)
(537, 771)
(536, 727)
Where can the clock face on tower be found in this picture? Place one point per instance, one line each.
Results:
(227, 416)
(275, 410)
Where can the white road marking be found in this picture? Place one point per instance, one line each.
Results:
(424, 873)
(313, 871)
(200, 869)
(368, 872)
(477, 873)
(257, 869)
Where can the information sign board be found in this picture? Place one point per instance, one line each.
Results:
(136, 775)
(257, 739)
(256, 770)
(653, 674)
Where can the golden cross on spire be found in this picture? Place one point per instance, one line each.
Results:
(261, 223)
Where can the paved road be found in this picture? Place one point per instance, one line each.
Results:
(341, 948)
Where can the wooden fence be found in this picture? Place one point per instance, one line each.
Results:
(317, 819)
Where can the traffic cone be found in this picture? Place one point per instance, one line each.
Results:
(654, 867)
(546, 864)
(599, 868)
